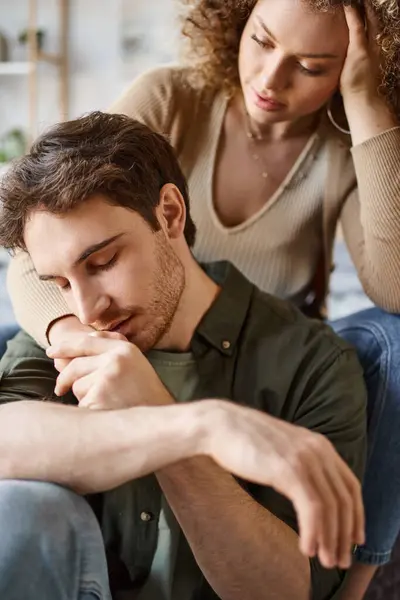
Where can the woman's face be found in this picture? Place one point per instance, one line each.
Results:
(290, 59)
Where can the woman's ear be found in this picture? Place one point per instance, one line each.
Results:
(171, 211)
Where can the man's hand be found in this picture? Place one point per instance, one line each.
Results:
(299, 464)
(105, 371)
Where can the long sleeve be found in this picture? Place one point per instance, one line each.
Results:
(371, 218)
(36, 304)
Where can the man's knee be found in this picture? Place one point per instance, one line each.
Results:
(38, 514)
(51, 535)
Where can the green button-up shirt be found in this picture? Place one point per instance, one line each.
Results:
(256, 350)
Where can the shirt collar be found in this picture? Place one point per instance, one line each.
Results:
(222, 324)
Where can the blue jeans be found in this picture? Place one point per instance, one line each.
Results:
(376, 336)
(50, 545)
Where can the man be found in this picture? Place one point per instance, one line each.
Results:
(101, 206)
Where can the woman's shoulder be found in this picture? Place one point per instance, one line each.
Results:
(164, 99)
(168, 80)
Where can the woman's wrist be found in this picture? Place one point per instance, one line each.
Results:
(368, 115)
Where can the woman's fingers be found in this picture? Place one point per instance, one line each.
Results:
(356, 25)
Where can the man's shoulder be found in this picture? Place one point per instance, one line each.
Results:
(23, 354)
(262, 323)
(26, 372)
(21, 348)
(274, 318)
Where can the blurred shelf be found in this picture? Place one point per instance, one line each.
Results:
(35, 56)
(54, 59)
(15, 68)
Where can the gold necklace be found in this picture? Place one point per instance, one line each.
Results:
(308, 159)
(254, 139)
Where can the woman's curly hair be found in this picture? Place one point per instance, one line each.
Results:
(213, 28)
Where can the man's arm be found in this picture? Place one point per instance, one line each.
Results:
(86, 450)
(92, 451)
(241, 546)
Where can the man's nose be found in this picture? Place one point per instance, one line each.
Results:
(90, 306)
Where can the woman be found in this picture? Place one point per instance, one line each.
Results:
(258, 126)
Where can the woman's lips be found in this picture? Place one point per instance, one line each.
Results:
(267, 103)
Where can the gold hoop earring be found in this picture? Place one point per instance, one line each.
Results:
(332, 120)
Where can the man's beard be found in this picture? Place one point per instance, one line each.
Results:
(168, 284)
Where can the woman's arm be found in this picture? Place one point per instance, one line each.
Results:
(371, 218)
(371, 214)
(37, 304)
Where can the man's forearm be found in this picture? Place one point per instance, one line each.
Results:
(242, 549)
(92, 451)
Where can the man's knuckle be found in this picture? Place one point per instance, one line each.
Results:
(115, 367)
(119, 336)
(77, 390)
(317, 506)
(355, 486)
(345, 498)
(317, 443)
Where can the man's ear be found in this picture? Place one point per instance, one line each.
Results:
(171, 211)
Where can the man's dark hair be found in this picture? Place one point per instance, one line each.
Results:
(100, 153)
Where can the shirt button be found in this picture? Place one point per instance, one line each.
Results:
(146, 516)
(226, 345)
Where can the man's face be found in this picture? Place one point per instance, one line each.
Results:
(115, 272)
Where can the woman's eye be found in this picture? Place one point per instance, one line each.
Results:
(262, 43)
(310, 72)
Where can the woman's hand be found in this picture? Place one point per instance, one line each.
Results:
(368, 112)
(361, 74)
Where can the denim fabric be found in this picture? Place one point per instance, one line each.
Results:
(51, 546)
(376, 336)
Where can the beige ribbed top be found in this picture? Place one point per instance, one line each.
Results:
(278, 247)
